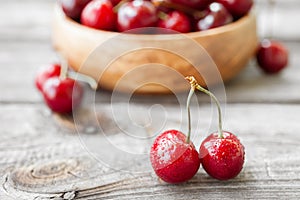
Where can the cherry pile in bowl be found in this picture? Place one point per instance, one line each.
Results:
(178, 15)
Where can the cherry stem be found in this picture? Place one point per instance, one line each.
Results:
(63, 68)
(162, 15)
(188, 102)
(194, 84)
(65, 73)
(84, 78)
(187, 10)
(117, 7)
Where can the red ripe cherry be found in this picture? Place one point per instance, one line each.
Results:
(45, 73)
(217, 16)
(99, 14)
(222, 158)
(176, 21)
(237, 8)
(272, 56)
(198, 4)
(73, 8)
(172, 158)
(115, 2)
(136, 14)
(62, 95)
(221, 154)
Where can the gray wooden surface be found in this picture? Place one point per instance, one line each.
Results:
(47, 156)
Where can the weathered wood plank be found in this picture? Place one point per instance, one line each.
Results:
(20, 62)
(252, 85)
(25, 20)
(278, 20)
(41, 156)
(25, 45)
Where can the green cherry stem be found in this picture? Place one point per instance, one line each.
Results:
(65, 73)
(84, 78)
(188, 102)
(162, 15)
(194, 84)
(63, 68)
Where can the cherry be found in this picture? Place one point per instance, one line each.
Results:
(99, 14)
(222, 157)
(174, 159)
(221, 154)
(168, 6)
(45, 73)
(173, 156)
(237, 8)
(272, 56)
(176, 21)
(73, 8)
(217, 16)
(61, 95)
(136, 14)
(115, 2)
(199, 4)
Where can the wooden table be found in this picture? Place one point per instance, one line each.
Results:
(42, 156)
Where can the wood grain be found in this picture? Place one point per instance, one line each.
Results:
(42, 158)
(24, 52)
(250, 86)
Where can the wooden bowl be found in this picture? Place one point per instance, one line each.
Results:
(155, 63)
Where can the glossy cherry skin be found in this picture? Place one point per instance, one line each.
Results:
(198, 4)
(217, 16)
(45, 73)
(222, 158)
(176, 21)
(73, 8)
(136, 14)
(62, 96)
(99, 14)
(237, 8)
(272, 56)
(172, 159)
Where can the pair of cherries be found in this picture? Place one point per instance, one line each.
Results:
(174, 157)
(60, 93)
(175, 160)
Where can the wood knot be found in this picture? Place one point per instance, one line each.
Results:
(45, 175)
(53, 170)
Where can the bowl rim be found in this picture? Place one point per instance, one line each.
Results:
(211, 32)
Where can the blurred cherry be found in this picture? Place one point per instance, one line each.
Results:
(136, 14)
(99, 14)
(176, 21)
(272, 56)
(237, 8)
(198, 4)
(45, 73)
(73, 8)
(62, 95)
(217, 16)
